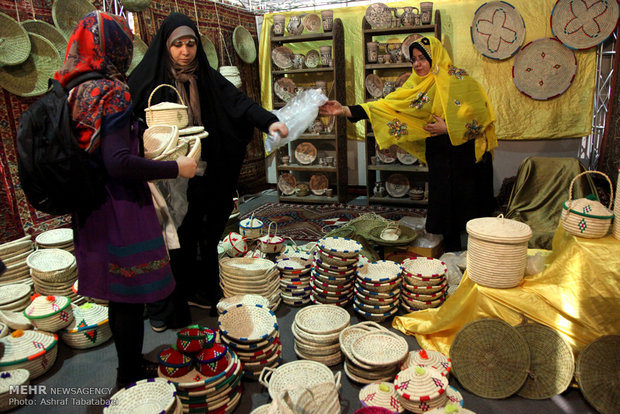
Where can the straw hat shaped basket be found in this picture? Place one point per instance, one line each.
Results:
(89, 328)
(14, 41)
(49, 32)
(497, 251)
(50, 313)
(167, 113)
(35, 351)
(67, 13)
(584, 217)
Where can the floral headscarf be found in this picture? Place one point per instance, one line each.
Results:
(446, 91)
(101, 43)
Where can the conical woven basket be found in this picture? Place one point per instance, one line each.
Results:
(587, 218)
(67, 13)
(490, 358)
(49, 32)
(552, 363)
(596, 363)
(380, 395)
(14, 41)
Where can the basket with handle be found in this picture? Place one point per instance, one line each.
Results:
(584, 217)
(271, 242)
(250, 227)
(167, 113)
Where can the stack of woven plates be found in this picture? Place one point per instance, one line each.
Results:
(56, 239)
(90, 327)
(317, 330)
(356, 370)
(420, 389)
(232, 301)
(155, 395)
(333, 273)
(377, 290)
(15, 297)
(374, 356)
(219, 394)
(11, 394)
(35, 351)
(53, 272)
(252, 332)
(425, 284)
(242, 275)
(14, 255)
(380, 394)
(303, 379)
(428, 358)
(295, 271)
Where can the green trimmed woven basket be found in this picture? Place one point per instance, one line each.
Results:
(67, 14)
(14, 41)
(210, 51)
(49, 32)
(139, 50)
(243, 42)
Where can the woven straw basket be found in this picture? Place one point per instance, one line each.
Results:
(158, 139)
(167, 113)
(35, 351)
(616, 227)
(497, 251)
(136, 5)
(50, 313)
(584, 217)
(89, 329)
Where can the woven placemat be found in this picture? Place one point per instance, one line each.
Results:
(581, 26)
(551, 362)
(497, 30)
(544, 69)
(490, 358)
(597, 372)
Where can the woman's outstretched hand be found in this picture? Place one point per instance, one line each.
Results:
(331, 108)
(436, 128)
(280, 128)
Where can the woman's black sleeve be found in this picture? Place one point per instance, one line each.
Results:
(357, 113)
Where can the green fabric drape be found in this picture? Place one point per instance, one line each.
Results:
(541, 187)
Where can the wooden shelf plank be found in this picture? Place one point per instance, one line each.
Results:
(308, 37)
(310, 198)
(305, 70)
(392, 200)
(398, 167)
(310, 168)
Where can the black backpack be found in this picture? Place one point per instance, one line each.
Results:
(57, 176)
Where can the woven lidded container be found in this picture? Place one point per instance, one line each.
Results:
(584, 217)
(420, 389)
(211, 361)
(49, 313)
(167, 113)
(35, 351)
(11, 398)
(250, 227)
(380, 395)
(89, 328)
(173, 363)
(497, 251)
(193, 339)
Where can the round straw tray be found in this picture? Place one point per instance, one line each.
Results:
(246, 323)
(340, 246)
(295, 374)
(380, 348)
(425, 267)
(246, 266)
(381, 271)
(154, 395)
(322, 319)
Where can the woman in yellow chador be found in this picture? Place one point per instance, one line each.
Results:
(443, 117)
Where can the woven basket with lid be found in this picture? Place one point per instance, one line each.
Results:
(584, 217)
(420, 389)
(380, 395)
(167, 113)
(50, 313)
(497, 251)
(13, 397)
(35, 351)
(89, 328)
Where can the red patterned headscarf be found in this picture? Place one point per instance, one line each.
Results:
(101, 43)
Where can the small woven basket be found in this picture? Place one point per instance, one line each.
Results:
(11, 395)
(587, 218)
(89, 329)
(159, 139)
(50, 313)
(167, 113)
(35, 351)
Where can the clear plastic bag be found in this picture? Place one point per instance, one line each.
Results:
(298, 114)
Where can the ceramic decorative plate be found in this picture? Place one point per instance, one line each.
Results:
(287, 184)
(378, 15)
(404, 157)
(544, 69)
(318, 184)
(313, 58)
(305, 153)
(404, 47)
(374, 85)
(284, 88)
(397, 185)
(312, 23)
(387, 155)
(497, 30)
(402, 78)
(282, 56)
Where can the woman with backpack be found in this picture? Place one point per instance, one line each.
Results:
(176, 57)
(120, 252)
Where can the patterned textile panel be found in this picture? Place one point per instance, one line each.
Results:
(253, 173)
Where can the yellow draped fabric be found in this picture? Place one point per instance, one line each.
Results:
(518, 117)
(447, 92)
(578, 294)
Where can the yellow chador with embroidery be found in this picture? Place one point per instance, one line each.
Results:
(446, 91)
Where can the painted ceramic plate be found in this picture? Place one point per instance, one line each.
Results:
(374, 85)
(402, 78)
(312, 23)
(397, 185)
(287, 183)
(313, 58)
(305, 153)
(282, 56)
(404, 47)
(318, 184)
(404, 157)
(284, 88)
(379, 15)
(387, 155)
